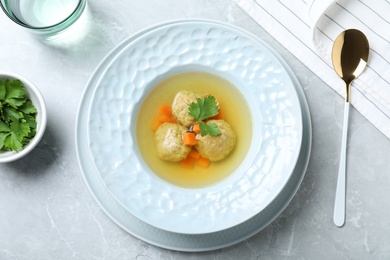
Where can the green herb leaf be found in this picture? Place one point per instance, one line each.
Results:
(203, 109)
(2, 138)
(30, 120)
(15, 103)
(194, 110)
(209, 129)
(2, 91)
(15, 89)
(11, 114)
(20, 129)
(17, 116)
(12, 142)
(28, 108)
(4, 127)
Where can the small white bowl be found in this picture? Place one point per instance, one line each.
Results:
(36, 98)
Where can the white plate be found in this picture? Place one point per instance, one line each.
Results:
(171, 240)
(230, 53)
(224, 51)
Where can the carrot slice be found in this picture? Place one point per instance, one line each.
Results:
(164, 118)
(203, 162)
(189, 138)
(155, 125)
(196, 128)
(166, 110)
(194, 154)
(172, 119)
(187, 162)
(218, 116)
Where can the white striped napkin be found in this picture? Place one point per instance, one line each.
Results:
(307, 28)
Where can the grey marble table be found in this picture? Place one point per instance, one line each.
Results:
(47, 212)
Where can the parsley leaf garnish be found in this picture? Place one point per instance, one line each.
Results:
(209, 129)
(203, 109)
(17, 116)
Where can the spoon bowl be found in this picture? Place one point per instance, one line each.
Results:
(349, 57)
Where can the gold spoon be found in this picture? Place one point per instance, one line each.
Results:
(349, 57)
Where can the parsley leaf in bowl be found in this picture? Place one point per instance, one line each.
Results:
(17, 116)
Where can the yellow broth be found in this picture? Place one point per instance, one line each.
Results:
(234, 108)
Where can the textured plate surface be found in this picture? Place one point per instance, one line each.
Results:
(207, 46)
(182, 242)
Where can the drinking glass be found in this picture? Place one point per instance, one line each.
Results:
(47, 19)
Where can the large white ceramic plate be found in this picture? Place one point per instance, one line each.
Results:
(183, 242)
(206, 46)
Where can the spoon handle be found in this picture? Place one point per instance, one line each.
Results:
(339, 205)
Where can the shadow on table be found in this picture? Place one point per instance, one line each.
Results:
(97, 30)
(40, 158)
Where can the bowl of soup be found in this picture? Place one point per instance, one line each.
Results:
(241, 156)
(190, 170)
